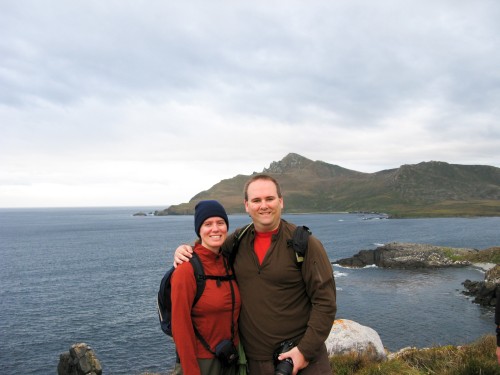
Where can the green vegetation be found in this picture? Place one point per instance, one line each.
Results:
(477, 358)
(452, 254)
(491, 255)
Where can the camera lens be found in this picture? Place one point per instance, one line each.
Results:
(284, 367)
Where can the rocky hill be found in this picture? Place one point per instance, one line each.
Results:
(425, 189)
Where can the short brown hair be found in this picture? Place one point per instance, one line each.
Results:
(265, 177)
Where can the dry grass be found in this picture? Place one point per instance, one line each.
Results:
(477, 358)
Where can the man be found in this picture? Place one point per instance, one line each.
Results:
(281, 299)
(497, 322)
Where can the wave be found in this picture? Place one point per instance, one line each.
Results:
(340, 274)
(354, 268)
(339, 266)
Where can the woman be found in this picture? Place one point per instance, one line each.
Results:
(200, 331)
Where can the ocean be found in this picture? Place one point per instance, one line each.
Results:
(92, 274)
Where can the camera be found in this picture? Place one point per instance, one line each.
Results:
(226, 352)
(284, 367)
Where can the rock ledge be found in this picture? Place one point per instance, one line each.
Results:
(408, 256)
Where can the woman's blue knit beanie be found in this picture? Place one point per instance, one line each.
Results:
(206, 209)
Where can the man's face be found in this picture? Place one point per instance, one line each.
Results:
(263, 205)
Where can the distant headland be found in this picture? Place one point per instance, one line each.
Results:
(427, 189)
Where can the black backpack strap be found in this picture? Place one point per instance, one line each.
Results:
(199, 275)
(226, 277)
(219, 279)
(233, 297)
(236, 244)
(299, 242)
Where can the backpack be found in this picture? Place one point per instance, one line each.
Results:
(299, 242)
(164, 299)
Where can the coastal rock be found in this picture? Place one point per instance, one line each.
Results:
(408, 256)
(348, 336)
(80, 360)
(485, 292)
(493, 275)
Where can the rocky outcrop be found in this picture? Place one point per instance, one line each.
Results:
(408, 256)
(290, 162)
(80, 360)
(485, 292)
(348, 336)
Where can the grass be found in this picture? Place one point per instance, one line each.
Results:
(477, 358)
(451, 254)
(491, 255)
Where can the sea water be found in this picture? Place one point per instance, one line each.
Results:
(92, 274)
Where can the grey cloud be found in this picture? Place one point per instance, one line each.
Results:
(358, 60)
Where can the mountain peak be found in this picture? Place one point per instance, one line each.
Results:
(289, 162)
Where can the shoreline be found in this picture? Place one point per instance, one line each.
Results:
(484, 266)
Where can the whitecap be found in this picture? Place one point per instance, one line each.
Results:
(339, 266)
(340, 274)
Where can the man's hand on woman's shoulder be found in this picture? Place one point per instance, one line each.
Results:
(182, 254)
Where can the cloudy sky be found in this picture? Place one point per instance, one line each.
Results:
(146, 103)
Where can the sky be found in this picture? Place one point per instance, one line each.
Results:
(147, 103)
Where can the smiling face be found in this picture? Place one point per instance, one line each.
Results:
(213, 233)
(264, 205)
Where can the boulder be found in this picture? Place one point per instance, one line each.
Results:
(80, 360)
(348, 336)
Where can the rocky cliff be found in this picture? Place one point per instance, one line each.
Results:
(485, 292)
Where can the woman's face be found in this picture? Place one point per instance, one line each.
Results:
(213, 233)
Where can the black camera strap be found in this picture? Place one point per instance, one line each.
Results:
(229, 278)
(233, 298)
